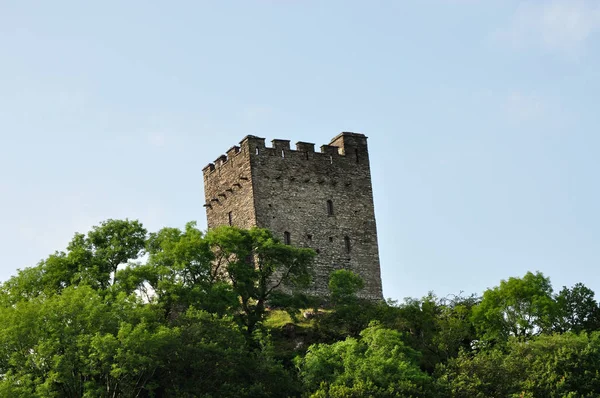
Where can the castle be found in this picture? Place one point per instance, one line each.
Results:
(322, 200)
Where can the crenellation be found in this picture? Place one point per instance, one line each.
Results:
(208, 168)
(305, 147)
(346, 144)
(330, 150)
(233, 151)
(252, 144)
(279, 145)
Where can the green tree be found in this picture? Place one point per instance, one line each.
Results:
(108, 245)
(212, 360)
(521, 307)
(577, 310)
(256, 264)
(455, 331)
(167, 327)
(78, 342)
(90, 259)
(545, 366)
(179, 273)
(378, 364)
(344, 286)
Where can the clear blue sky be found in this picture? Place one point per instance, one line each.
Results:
(482, 117)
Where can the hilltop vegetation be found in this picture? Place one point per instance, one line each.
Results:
(201, 316)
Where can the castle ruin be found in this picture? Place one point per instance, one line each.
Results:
(322, 200)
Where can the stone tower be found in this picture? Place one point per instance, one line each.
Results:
(322, 200)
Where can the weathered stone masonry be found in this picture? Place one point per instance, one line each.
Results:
(322, 200)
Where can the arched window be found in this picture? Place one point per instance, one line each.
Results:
(287, 238)
(347, 244)
(329, 208)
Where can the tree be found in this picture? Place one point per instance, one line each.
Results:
(545, 366)
(378, 364)
(344, 285)
(350, 314)
(108, 245)
(521, 307)
(78, 343)
(256, 264)
(90, 259)
(212, 359)
(577, 310)
(179, 273)
(83, 342)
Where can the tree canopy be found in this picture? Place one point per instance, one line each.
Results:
(121, 312)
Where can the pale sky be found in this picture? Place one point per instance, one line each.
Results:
(482, 118)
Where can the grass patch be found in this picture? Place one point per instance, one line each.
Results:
(278, 318)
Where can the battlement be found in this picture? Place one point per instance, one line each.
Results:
(344, 144)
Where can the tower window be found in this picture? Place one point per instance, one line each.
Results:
(230, 218)
(287, 239)
(329, 208)
(347, 244)
(256, 150)
(306, 154)
(309, 237)
(331, 239)
(282, 153)
(356, 153)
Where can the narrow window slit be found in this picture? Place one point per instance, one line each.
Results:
(329, 208)
(287, 239)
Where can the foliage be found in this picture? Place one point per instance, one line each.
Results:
(90, 259)
(378, 364)
(79, 344)
(577, 310)
(521, 307)
(179, 273)
(192, 320)
(76, 342)
(256, 264)
(546, 366)
(344, 285)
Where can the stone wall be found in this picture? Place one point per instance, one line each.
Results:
(228, 190)
(323, 200)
